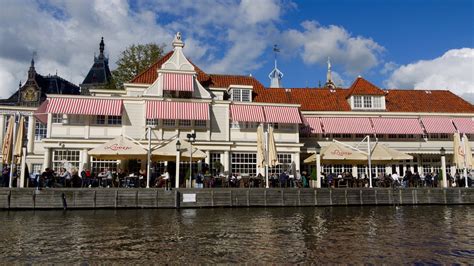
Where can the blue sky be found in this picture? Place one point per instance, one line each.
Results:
(394, 44)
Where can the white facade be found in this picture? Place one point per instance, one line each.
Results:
(68, 137)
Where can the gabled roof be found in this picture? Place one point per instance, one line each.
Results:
(149, 75)
(363, 87)
(435, 101)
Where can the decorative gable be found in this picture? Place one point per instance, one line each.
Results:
(177, 76)
(363, 95)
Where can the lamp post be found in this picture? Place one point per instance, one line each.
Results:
(178, 154)
(442, 151)
(318, 165)
(191, 139)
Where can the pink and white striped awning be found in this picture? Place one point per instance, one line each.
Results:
(177, 110)
(85, 106)
(397, 126)
(247, 113)
(282, 114)
(464, 125)
(178, 82)
(312, 125)
(438, 125)
(347, 125)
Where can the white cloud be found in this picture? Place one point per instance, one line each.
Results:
(453, 71)
(221, 36)
(315, 43)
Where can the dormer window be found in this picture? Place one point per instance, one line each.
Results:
(241, 93)
(368, 102)
(357, 101)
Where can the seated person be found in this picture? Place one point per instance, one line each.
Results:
(163, 179)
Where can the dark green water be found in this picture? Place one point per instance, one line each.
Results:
(393, 235)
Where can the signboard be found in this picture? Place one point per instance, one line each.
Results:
(189, 197)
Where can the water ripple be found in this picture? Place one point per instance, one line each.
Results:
(372, 235)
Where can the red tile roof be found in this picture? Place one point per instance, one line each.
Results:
(363, 87)
(323, 99)
(435, 101)
(149, 75)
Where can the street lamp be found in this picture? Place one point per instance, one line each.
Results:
(178, 146)
(191, 139)
(442, 151)
(318, 165)
(178, 154)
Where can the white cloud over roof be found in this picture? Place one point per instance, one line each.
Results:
(453, 71)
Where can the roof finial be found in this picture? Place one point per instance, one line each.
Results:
(329, 74)
(177, 42)
(19, 85)
(101, 47)
(329, 82)
(276, 75)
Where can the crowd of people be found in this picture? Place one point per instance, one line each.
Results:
(394, 180)
(107, 178)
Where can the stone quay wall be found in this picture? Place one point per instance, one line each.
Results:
(117, 198)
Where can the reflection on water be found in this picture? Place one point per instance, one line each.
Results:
(427, 234)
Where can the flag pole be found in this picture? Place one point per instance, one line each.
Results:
(12, 162)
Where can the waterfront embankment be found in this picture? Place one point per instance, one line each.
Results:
(117, 198)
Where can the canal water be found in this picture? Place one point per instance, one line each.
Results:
(390, 234)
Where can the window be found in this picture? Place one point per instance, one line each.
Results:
(243, 125)
(377, 102)
(215, 157)
(36, 168)
(346, 136)
(40, 130)
(434, 136)
(169, 123)
(334, 136)
(357, 101)
(286, 127)
(114, 120)
(362, 171)
(245, 96)
(152, 122)
(360, 136)
(98, 165)
(185, 123)
(392, 136)
(57, 118)
(241, 95)
(367, 102)
(284, 164)
(66, 159)
(443, 136)
(244, 163)
(100, 120)
(200, 123)
(75, 119)
(235, 125)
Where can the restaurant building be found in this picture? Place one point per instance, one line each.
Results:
(174, 98)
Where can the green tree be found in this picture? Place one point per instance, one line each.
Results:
(134, 59)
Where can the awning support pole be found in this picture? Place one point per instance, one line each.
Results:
(148, 159)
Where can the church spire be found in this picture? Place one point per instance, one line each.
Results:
(276, 75)
(329, 82)
(32, 70)
(101, 48)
